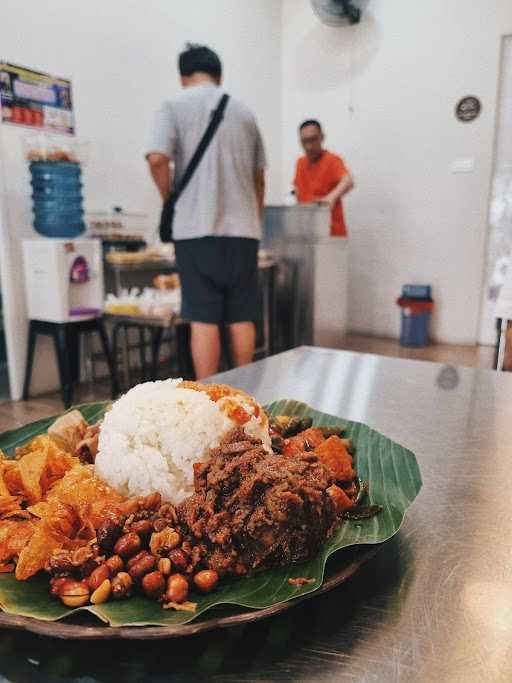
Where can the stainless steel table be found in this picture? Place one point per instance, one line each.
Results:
(434, 604)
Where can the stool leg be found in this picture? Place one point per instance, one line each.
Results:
(60, 339)
(31, 347)
(183, 354)
(156, 340)
(108, 355)
(86, 357)
(115, 338)
(142, 352)
(73, 353)
(272, 327)
(126, 356)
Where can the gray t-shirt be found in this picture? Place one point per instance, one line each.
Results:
(220, 199)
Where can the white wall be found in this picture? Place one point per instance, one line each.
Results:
(385, 91)
(121, 57)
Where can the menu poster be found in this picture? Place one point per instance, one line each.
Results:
(34, 99)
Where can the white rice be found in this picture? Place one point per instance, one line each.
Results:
(153, 435)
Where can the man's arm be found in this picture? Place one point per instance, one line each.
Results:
(160, 172)
(259, 181)
(344, 186)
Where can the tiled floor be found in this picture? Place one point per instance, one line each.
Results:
(16, 413)
(473, 356)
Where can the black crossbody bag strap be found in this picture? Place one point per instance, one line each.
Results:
(169, 203)
(217, 117)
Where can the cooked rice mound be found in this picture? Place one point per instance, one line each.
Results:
(157, 431)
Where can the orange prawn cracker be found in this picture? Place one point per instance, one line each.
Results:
(56, 530)
(4, 489)
(39, 509)
(35, 554)
(14, 536)
(80, 489)
(10, 506)
(12, 477)
(68, 516)
(65, 503)
(75, 506)
(39, 465)
(38, 443)
(31, 468)
(57, 464)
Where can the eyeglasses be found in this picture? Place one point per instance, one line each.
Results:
(310, 140)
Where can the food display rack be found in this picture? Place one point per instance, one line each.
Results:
(126, 275)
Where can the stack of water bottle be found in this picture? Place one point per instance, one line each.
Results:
(56, 179)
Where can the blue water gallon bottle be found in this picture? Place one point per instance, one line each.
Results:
(57, 198)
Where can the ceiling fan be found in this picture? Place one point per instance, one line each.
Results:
(338, 12)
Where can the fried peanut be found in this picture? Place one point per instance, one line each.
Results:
(98, 576)
(115, 564)
(121, 586)
(206, 580)
(165, 566)
(74, 593)
(128, 545)
(167, 538)
(142, 567)
(102, 593)
(153, 585)
(177, 588)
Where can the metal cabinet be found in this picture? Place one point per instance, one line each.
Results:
(311, 285)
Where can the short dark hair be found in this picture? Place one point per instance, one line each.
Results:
(199, 58)
(310, 122)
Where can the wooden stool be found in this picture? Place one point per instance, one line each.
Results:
(65, 336)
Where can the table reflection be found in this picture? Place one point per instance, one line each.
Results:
(434, 604)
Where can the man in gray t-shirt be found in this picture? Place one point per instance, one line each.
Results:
(217, 221)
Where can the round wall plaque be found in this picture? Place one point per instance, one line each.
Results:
(468, 108)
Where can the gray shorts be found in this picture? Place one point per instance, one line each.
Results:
(219, 279)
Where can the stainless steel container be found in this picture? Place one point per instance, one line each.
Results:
(311, 296)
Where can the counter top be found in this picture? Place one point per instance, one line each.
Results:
(434, 604)
(309, 223)
(265, 260)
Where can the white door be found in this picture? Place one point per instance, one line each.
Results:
(499, 242)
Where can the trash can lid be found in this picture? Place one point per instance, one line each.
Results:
(416, 291)
(416, 305)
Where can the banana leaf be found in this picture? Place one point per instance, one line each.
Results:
(394, 482)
